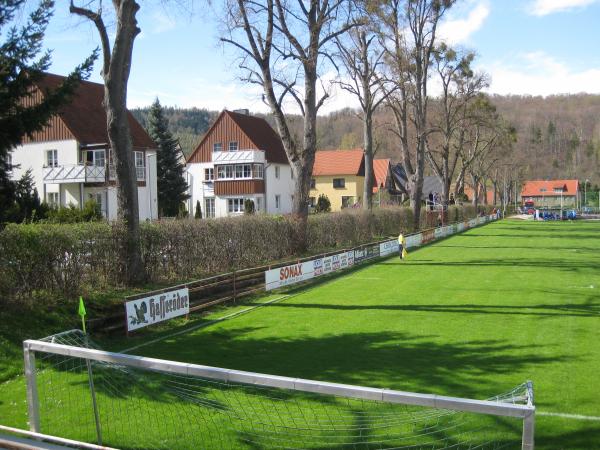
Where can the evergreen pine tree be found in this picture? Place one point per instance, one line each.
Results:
(198, 214)
(21, 65)
(172, 187)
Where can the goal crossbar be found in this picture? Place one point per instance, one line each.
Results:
(525, 412)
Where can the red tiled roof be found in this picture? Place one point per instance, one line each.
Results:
(543, 188)
(381, 169)
(85, 115)
(339, 162)
(260, 132)
(489, 193)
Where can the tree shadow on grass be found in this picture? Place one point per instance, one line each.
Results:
(545, 263)
(385, 359)
(542, 310)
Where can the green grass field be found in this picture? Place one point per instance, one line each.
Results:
(471, 316)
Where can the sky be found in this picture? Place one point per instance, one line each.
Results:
(528, 47)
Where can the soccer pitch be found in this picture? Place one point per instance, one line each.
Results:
(470, 316)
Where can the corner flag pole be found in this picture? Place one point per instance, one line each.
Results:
(82, 313)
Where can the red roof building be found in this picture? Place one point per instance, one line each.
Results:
(339, 162)
(549, 193)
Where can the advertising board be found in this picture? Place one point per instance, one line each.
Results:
(146, 311)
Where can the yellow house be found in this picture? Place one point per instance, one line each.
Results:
(340, 175)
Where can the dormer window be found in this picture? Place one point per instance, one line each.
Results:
(218, 147)
(233, 146)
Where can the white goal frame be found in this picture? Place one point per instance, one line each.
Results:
(525, 412)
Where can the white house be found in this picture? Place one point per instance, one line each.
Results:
(71, 160)
(240, 157)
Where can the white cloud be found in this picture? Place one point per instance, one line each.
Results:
(457, 30)
(538, 73)
(162, 22)
(545, 7)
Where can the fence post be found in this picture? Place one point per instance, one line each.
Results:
(33, 405)
(94, 403)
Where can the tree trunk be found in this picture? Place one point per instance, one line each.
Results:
(369, 170)
(117, 122)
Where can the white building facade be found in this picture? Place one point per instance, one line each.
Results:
(240, 158)
(71, 162)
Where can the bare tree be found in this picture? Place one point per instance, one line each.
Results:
(282, 46)
(116, 66)
(460, 87)
(362, 57)
(409, 30)
(489, 138)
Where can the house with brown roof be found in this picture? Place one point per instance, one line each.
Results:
(240, 158)
(550, 193)
(71, 160)
(340, 175)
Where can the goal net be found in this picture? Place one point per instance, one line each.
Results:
(77, 391)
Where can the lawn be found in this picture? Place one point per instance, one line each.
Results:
(473, 316)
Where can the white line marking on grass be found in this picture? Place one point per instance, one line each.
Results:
(211, 322)
(568, 416)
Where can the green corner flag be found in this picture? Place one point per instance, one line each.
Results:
(82, 313)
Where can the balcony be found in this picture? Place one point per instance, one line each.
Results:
(75, 173)
(239, 156)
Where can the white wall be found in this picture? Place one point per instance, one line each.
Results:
(199, 190)
(282, 186)
(33, 156)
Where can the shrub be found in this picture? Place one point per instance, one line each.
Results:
(198, 214)
(73, 214)
(248, 206)
(69, 258)
(323, 204)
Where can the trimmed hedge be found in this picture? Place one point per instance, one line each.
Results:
(70, 257)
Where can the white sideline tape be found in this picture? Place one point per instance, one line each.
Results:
(568, 416)
(202, 325)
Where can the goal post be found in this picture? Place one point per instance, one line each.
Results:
(266, 401)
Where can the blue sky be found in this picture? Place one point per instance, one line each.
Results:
(537, 47)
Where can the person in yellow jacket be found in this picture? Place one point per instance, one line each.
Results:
(402, 246)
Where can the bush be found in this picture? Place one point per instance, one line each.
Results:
(323, 204)
(69, 258)
(198, 214)
(72, 214)
(248, 206)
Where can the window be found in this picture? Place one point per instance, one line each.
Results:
(239, 171)
(258, 171)
(99, 197)
(258, 204)
(276, 171)
(339, 183)
(277, 201)
(542, 189)
(9, 161)
(347, 202)
(229, 172)
(247, 171)
(51, 158)
(52, 198)
(312, 201)
(209, 174)
(94, 158)
(313, 183)
(217, 147)
(140, 166)
(235, 205)
(558, 190)
(233, 146)
(209, 207)
(220, 172)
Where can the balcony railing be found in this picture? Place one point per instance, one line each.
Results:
(75, 173)
(239, 156)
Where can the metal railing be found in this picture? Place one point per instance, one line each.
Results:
(74, 173)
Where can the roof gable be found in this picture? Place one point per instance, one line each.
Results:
(339, 162)
(248, 131)
(84, 116)
(381, 170)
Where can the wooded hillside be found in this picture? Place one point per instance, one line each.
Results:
(557, 136)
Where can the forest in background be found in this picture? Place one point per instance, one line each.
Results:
(557, 136)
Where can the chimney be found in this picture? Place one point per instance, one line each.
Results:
(243, 111)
